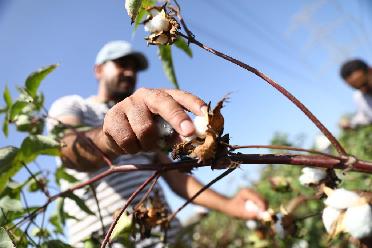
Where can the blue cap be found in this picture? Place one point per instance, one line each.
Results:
(118, 49)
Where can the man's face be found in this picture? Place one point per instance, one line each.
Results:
(119, 78)
(360, 80)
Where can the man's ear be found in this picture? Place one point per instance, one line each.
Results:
(98, 71)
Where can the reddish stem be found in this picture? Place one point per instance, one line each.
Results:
(129, 201)
(281, 89)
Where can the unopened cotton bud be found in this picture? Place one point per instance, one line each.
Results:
(329, 217)
(358, 221)
(342, 199)
(158, 23)
(312, 176)
(201, 126)
(251, 224)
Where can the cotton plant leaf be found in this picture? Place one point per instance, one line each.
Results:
(5, 241)
(165, 54)
(35, 145)
(34, 79)
(7, 97)
(9, 204)
(62, 174)
(9, 165)
(79, 202)
(182, 44)
(132, 7)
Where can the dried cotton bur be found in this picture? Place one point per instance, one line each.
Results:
(161, 25)
(204, 144)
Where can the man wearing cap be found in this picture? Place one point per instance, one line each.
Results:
(123, 128)
(358, 75)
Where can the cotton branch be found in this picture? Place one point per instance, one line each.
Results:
(278, 87)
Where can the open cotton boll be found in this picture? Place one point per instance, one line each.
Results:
(158, 23)
(358, 221)
(201, 126)
(329, 216)
(342, 199)
(312, 176)
(251, 224)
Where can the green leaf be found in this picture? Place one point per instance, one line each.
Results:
(5, 241)
(182, 44)
(7, 97)
(122, 228)
(8, 204)
(34, 79)
(92, 243)
(132, 7)
(79, 202)
(55, 220)
(35, 145)
(165, 54)
(62, 174)
(40, 232)
(6, 126)
(16, 108)
(9, 164)
(55, 243)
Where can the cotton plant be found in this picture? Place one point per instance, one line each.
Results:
(348, 212)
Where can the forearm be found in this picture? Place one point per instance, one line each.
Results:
(85, 151)
(187, 186)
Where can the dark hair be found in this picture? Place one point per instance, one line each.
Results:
(352, 65)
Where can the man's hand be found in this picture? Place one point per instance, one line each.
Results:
(236, 205)
(129, 125)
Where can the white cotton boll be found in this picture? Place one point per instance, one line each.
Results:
(301, 244)
(358, 221)
(158, 23)
(322, 143)
(329, 216)
(312, 176)
(251, 224)
(342, 199)
(201, 126)
(250, 206)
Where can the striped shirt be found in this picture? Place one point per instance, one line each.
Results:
(113, 190)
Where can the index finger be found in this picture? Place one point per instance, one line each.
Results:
(188, 101)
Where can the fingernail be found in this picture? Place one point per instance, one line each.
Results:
(204, 110)
(187, 128)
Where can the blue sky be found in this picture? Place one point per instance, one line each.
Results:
(300, 44)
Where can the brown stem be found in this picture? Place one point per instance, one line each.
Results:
(293, 159)
(129, 201)
(147, 192)
(225, 173)
(278, 87)
(289, 148)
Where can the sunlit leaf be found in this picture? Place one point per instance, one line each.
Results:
(8, 204)
(62, 174)
(34, 79)
(5, 241)
(79, 202)
(182, 44)
(92, 243)
(55, 243)
(122, 228)
(35, 145)
(55, 220)
(132, 7)
(16, 109)
(8, 164)
(165, 55)
(7, 97)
